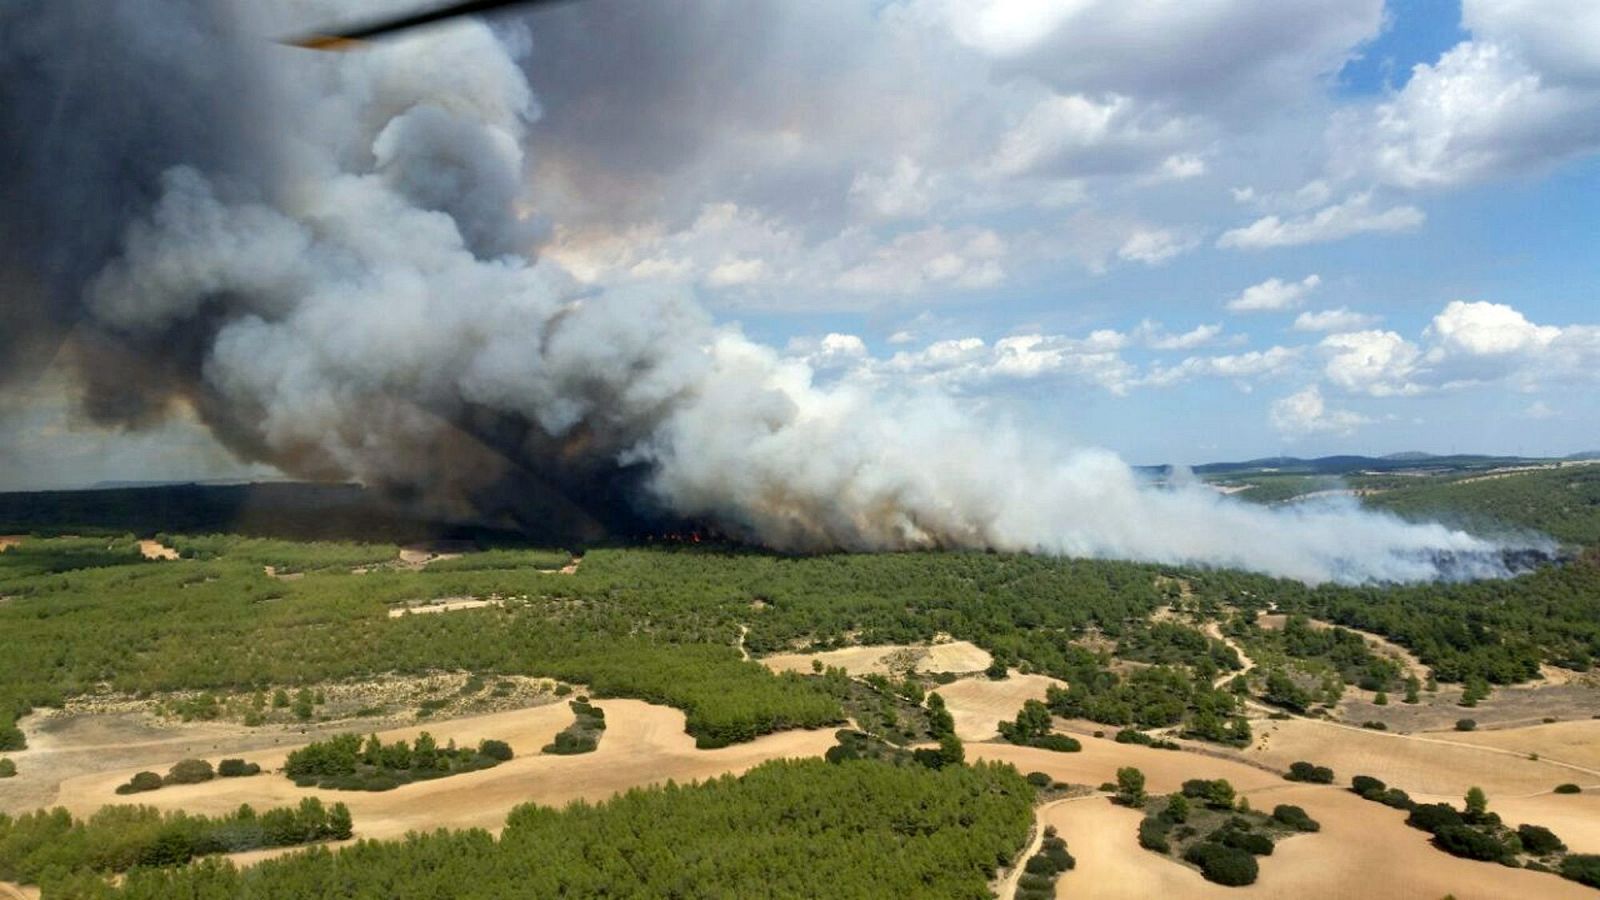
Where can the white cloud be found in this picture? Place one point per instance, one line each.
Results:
(1341, 319)
(1152, 335)
(1380, 363)
(1331, 223)
(965, 258)
(1238, 366)
(902, 192)
(1305, 412)
(902, 337)
(1488, 329)
(1521, 95)
(1153, 246)
(1274, 294)
(1076, 134)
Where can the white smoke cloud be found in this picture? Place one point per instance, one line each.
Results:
(369, 317)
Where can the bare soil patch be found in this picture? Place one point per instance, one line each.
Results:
(1569, 696)
(156, 550)
(444, 605)
(11, 540)
(978, 705)
(884, 659)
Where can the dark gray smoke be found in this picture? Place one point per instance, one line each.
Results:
(328, 258)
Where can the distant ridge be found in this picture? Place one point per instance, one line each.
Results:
(1345, 465)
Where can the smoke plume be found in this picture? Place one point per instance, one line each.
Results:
(328, 258)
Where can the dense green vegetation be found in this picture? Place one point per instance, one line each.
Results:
(583, 735)
(1562, 503)
(347, 763)
(67, 855)
(867, 828)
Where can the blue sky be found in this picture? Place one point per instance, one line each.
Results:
(1182, 231)
(1421, 176)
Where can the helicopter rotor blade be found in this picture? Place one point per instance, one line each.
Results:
(353, 36)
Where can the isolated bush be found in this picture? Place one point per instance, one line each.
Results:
(237, 768)
(1130, 787)
(1039, 779)
(190, 771)
(494, 749)
(996, 670)
(1568, 788)
(143, 781)
(1466, 724)
(1223, 865)
(1314, 774)
(8, 769)
(1295, 817)
(1539, 840)
(1060, 743)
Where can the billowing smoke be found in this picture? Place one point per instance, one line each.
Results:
(329, 258)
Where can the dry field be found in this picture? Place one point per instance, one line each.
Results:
(156, 550)
(978, 704)
(952, 656)
(643, 744)
(11, 540)
(1364, 850)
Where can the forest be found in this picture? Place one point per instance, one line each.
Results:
(869, 828)
(662, 624)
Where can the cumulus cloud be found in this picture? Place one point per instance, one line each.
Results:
(1274, 294)
(1380, 363)
(1152, 335)
(1341, 319)
(1355, 215)
(1306, 412)
(1239, 367)
(1521, 95)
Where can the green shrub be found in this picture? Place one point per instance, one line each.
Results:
(1060, 743)
(139, 783)
(497, 750)
(1223, 865)
(1469, 842)
(1568, 788)
(1367, 786)
(1539, 840)
(8, 769)
(1431, 817)
(1039, 779)
(1584, 868)
(237, 768)
(189, 771)
(1153, 834)
(1295, 817)
(1466, 724)
(1249, 841)
(1304, 771)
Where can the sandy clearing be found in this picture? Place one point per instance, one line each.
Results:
(1576, 742)
(443, 605)
(1364, 849)
(643, 744)
(156, 550)
(978, 705)
(1419, 764)
(11, 540)
(954, 656)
